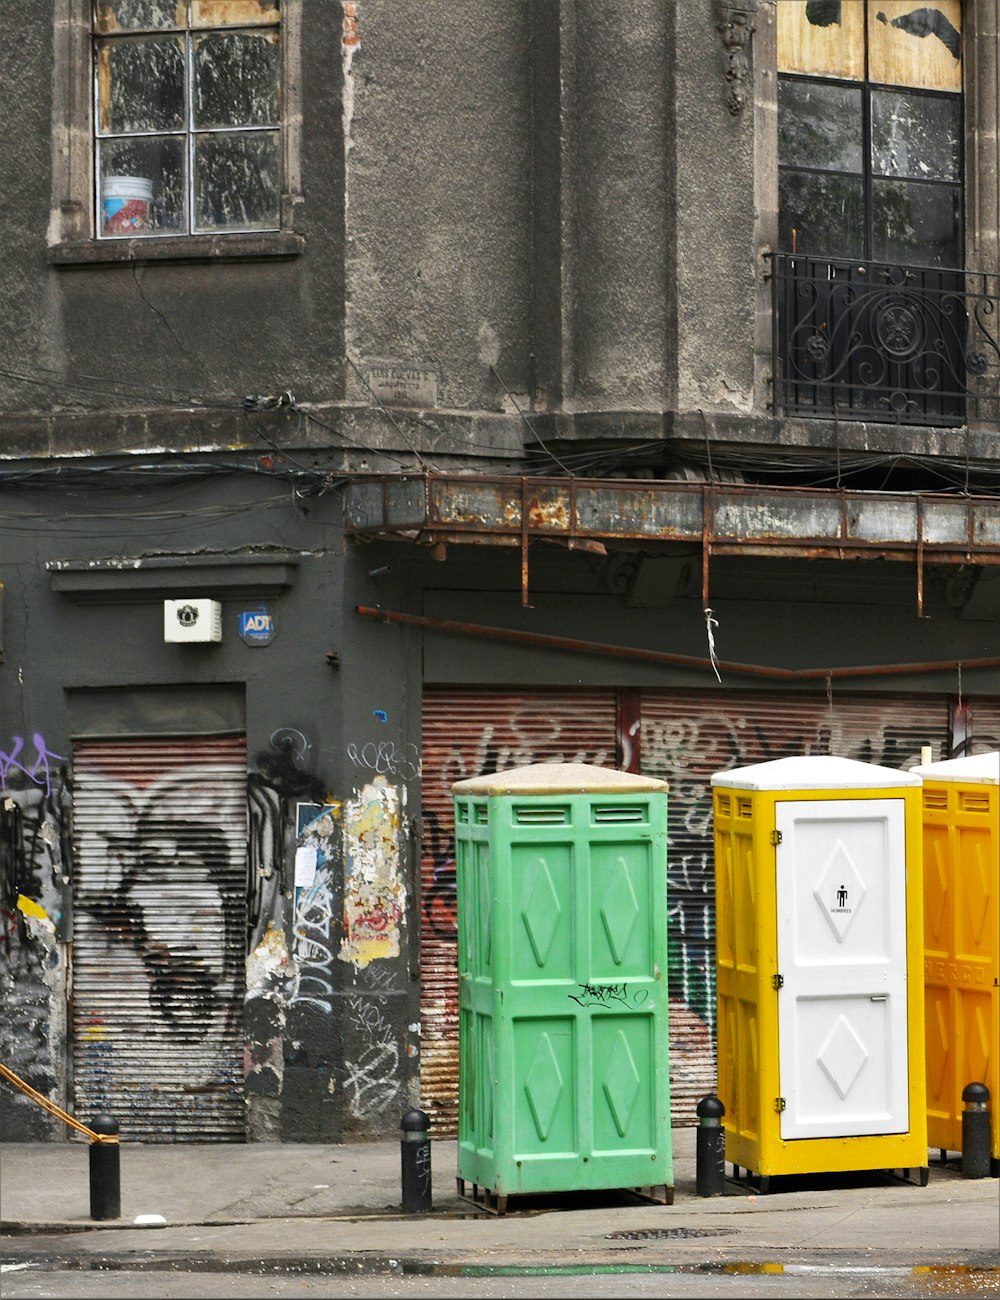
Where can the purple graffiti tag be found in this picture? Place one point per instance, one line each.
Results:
(38, 772)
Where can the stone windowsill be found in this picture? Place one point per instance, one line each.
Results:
(182, 248)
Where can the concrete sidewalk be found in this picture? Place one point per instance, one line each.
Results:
(325, 1207)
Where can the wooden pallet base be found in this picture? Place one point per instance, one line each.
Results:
(484, 1199)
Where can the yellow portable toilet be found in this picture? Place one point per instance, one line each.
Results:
(961, 941)
(819, 948)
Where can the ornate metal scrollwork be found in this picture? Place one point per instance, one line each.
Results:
(914, 345)
(736, 25)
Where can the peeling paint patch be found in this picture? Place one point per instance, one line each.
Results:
(374, 898)
(351, 36)
(268, 961)
(259, 1058)
(29, 907)
(36, 919)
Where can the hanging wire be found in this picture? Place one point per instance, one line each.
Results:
(711, 622)
(534, 432)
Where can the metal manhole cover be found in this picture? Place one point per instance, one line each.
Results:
(660, 1234)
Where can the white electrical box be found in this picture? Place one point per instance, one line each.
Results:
(192, 620)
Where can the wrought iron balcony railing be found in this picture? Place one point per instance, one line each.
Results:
(884, 343)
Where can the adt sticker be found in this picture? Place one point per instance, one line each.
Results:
(257, 626)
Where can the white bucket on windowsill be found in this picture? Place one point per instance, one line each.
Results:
(125, 204)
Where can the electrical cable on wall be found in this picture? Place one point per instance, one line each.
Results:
(808, 467)
(534, 432)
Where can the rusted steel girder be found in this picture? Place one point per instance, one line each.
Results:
(724, 519)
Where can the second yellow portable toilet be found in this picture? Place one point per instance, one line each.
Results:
(961, 818)
(819, 952)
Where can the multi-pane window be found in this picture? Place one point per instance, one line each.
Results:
(870, 130)
(187, 113)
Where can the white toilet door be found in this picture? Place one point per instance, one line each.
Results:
(841, 939)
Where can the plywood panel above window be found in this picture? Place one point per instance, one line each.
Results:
(913, 45)
(825, 38)
(909, 44)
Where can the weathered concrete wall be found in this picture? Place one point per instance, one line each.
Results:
(331, 999)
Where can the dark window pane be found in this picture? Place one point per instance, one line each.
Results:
(916, 135)
(236, 79)
(236, 181)
(141, 84)
(915, 224)
(823, 216)
(819, 125)
(139, 15)
(142, 186)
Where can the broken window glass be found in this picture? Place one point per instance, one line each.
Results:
(916, 136)
(819, 125)
(236, 79)
(236, 180)
(142, 85)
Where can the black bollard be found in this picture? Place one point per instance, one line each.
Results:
(105, 1171)
(415, 1157)
(710, 1177)
(976, 1131)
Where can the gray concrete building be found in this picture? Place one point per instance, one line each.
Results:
(394, 392)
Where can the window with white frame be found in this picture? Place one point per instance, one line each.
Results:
(187, 117)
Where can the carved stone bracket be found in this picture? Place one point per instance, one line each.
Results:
(736, 25)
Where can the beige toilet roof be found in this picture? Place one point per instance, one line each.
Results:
(558, 778)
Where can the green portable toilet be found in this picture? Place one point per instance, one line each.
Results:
(564, 1071)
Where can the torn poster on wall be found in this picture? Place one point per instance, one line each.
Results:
(374, 897)
(315, 828)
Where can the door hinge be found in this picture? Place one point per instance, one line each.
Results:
(779, 1104)
(777, 981)
(776, 837)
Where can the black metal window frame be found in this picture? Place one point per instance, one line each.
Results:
(867, 174)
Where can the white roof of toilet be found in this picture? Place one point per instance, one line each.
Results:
(813, 772)
(558, 778)
(983, 769)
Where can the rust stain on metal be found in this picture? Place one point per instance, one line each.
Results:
(553, 513)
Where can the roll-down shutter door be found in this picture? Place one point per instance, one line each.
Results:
(159, 936)
(469, 732)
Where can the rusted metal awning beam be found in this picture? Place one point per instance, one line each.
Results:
(805, 522)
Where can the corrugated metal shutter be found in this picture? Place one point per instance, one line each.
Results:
(688, 736)
(469, 732)
(159, 936)
(985, 726)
